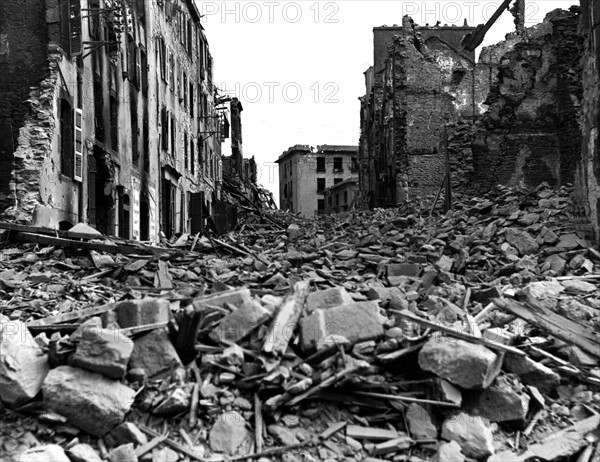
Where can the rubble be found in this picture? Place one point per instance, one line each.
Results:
(386, 332)
(88, 400)
(23, 364)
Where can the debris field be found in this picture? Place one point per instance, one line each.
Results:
(384, 335)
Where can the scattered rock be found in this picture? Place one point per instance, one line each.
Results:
(133, 313)
(239, 324)
(327, 298)
(83, 453)
(155, 354)
(105, 351)
(471, 433)
(283, 435)
(449, 452)
(532, 373)
(522, 241)
(23, 364)
(420, 423)
(48, 453)
(462, 363)
(123, 453)
(356, 322)
(228, 433)
(88, 400)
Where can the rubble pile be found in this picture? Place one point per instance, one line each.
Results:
(383, 335)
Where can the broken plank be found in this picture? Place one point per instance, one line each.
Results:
(557, 325)
(457, 333)
(407, 399)
(285, 321)
(65, 317)
(68, 243)
(162, 277)
(370, 433)
(174, 444)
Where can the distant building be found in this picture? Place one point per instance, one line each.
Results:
(305, 174)
(341, 197)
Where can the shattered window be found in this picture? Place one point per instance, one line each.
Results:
(338, 164)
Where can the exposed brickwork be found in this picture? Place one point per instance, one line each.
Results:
(530, 132)
(23, 64)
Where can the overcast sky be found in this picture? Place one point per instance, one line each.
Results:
(298, 66)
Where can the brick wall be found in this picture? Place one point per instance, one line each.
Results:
(23, 64)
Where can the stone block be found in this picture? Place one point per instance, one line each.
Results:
(327, 298)
(403, 269)
(90, 401)
(233, 298)
(532, 373)
(123, 453)
(105, 351)
(132, 313)
(83, 453)
(228, 433)
(472, 434)
(420, 423)
(357, 322)
(155, 354)
(239, 324)
(522, 241)
(449, 452)
(127, 432)
(48, 453)
(465, 364)
(392, 296)
(501, 402)
(23, 364)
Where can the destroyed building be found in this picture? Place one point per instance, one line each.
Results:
(514, 117)
(305, 173)
(106, 113)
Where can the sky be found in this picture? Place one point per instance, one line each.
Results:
(297, 66)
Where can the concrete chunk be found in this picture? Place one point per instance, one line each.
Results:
(462, 363)
(50, 452)
(105, 351)
(23, 364)
(155, 354)
(327, 298)
(235, 298)
(357, 322)
(83, 453)
(501, 402)
(471, 433)
(132, 313)
(420, 423)
(228, 433)
(239, 324)
(522, 241)
(88, 400)
(532, 373)
(449, 452)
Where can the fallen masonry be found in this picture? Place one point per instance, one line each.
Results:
(388, 335)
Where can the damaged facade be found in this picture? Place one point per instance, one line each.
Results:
(105, 115)
(305, 173)
(512, 118)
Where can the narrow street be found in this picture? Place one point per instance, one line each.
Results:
(470, 335)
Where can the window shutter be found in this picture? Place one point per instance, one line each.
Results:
(75, 44)
(168, 62)
(78, 161)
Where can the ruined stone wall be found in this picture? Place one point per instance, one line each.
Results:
(23, 65)
(530, 132)
(587, 183)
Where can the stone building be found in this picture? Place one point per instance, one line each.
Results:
(587, 169)
(305, 173)
(512, 118)
(420, 81)
(107, 115)
(341, 197)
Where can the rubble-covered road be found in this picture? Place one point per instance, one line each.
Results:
(383, 335)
